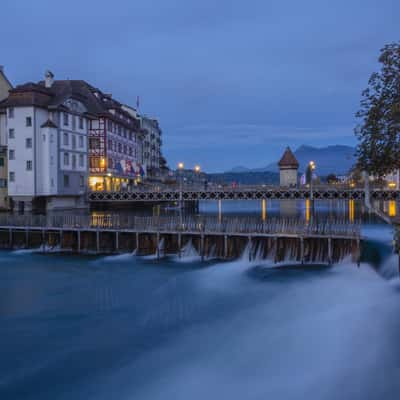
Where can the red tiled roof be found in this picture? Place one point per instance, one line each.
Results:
(288, 159)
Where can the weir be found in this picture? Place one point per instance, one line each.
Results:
(278, 239)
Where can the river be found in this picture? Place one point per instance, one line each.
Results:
(126, 327)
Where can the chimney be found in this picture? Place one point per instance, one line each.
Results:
(49, 79)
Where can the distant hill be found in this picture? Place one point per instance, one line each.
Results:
(245, 178)
(337, 159)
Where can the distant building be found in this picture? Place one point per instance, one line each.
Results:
(288, 168)
(151, 146)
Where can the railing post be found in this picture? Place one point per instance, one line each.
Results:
(79, 240)
(179, 245)
(44, 240)
(98, 241)
(158, 246)
(202, 246)
(27, 238)
(302, 250)
(225, 246)
(10, 238)
(116, 241)
(137, 242)
(330, 251)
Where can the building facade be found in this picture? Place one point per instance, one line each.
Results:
(5, 87)
(288, 169)
(151, 146)
(47, 130)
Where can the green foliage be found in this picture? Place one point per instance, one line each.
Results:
(378, 132)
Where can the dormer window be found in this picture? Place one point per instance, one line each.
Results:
(65, 119)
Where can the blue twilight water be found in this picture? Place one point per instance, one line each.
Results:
(125, 327)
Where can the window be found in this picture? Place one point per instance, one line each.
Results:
(109, 125)
(28, 143)
(65, 119)
(29, 165)
(73, 122)
(52, 182)
(130, 135)
(120, 147)
(125, 149)
(94, 143)
(66, 181)
(28, 121)
(81, 141)
(11, 112)
(11, 154)
(73, 161)
(81, 160)
(1, 162)
(65, 139)
(130, 151)
(110, 163)
(3, 183)
(66, 158)
(12, 176)
(80, 123)
(73, 141)
(110, 144)
(51, 138)
(51, 160)
(44, 138)
(81, 181)
(11, 133)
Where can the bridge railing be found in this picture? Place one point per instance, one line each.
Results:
(235, 188)
(206, 224)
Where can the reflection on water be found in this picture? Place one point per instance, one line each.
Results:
(351, 211)
(263, 209)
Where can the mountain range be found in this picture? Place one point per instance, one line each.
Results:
(336, 159)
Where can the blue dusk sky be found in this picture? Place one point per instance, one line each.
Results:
(232, 82)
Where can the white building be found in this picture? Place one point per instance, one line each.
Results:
(46, 127)
(151, 145)
(288, 169)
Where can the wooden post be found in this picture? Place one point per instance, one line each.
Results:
(79, 240)
(202, 246)
(158, 246)
(302, 250)
(179, 245)
(225, 246)
(27, 238)
(137, 242)
(61, 239)
(275, 249)
(358, 253)
(44, 240)
(10, 238)
(330, 252)
(98, 241)
(250, 248)
(116, 241)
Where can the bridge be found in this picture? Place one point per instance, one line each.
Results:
(279, 239)
(174, 194)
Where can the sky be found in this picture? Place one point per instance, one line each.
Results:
(231, 82)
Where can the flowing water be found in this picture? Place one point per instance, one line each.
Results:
(127, 327)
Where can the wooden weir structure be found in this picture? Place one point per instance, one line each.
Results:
(281, 239)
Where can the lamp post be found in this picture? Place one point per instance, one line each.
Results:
(311, 166)
(180, 169)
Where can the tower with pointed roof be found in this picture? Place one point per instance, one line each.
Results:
(288, 168)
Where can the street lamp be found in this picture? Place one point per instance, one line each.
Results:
(180, 169)
(311, 166)
(197, 168)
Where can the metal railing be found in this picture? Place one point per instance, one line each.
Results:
(208, 225)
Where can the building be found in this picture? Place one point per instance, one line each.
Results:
(47, 132)
(151, 146)
(288, 169)
(5, 87)
(5, 84)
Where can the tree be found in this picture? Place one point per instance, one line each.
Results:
(378, 132)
